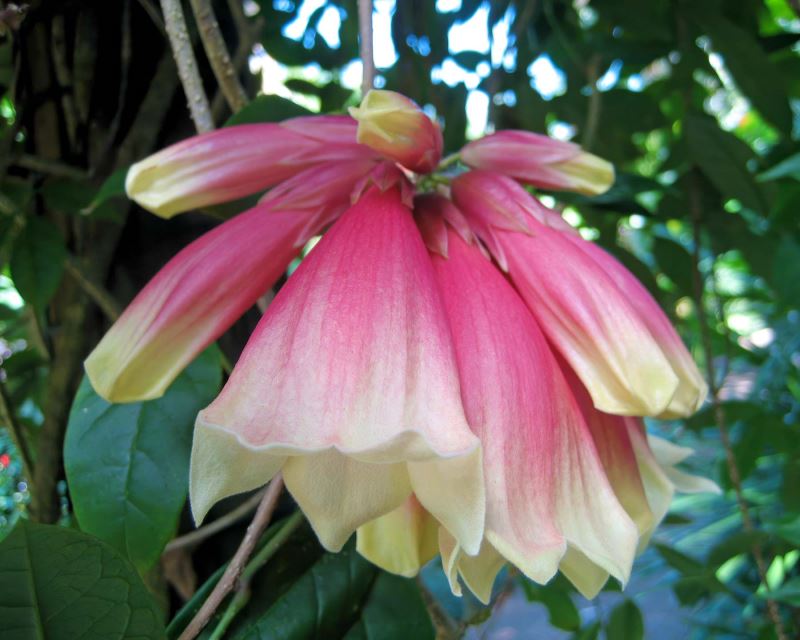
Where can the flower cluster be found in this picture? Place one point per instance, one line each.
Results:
(452, 372)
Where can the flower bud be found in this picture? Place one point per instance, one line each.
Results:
(398, 129)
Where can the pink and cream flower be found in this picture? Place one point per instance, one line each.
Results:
(455, 372)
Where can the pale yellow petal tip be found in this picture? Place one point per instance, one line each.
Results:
(589, 174)
(117, 383)
(146, 186)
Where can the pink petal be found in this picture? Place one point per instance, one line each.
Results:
(592, 322)
(349, 384)
(546, 488)
(235, 162)
(540, 161)
(204, 289)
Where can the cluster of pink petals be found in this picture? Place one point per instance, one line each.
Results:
(455, 372)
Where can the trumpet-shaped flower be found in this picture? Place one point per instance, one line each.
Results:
(237, 161)
(398, 129)
(599, 318)
(540, 161)
(206, 287)
(349, 386)
(546, 489)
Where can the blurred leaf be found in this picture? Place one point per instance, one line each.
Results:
(734, 545)
(788, 593)
(722, 157)
(61, 584)
(113, 187)
(625, 623)
(674, 261)
(786, 271)
(588, 633)
(37, 261)
(788, 168)
(267, 108)
(751, 68)
(128, 464)
(561, 610)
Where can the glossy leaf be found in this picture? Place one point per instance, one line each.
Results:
(37, 261)
(61, 584)
(128, 464)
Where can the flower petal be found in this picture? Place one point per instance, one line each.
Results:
(398, 129)
(545, 482)
(401, 541)
(234, 162)
(585, 314)
(353, 356)
(540, 161)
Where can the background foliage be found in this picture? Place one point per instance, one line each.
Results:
(696, 102)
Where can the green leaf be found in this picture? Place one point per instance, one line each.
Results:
(788, 168)
(561, 609)
(128, 464)
(304, 592)
(113, 187)
(788, 593)
(62, 584)
(37, 261)
(751, 68)
(394, 610)
(722, 157)
(625, 623)
(674, 261)
(267, 108)
(786, 271)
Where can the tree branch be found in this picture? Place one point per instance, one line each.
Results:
(237, 564)
(95, 291)
(187, 65)
(366, 51)
(218, 56)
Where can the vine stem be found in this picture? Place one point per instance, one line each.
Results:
(229, 579)
(719, 411)
(206, 531)
(218, 56)
(366, 46)
(175, 23)
(242, 595)
(101, 297)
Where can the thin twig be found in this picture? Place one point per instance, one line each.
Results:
(15, 429)
(206, 531)
(187, 65)
(217, 53)
(242, 595)
(151, 11)
(51, 167)
(714, 386)
(94, 290)
(228, 580)
(366, 52)
(593, 111)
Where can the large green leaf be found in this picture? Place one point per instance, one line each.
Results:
(751, 68)
(37, 261)
(625, 623)
(128, 464)
(267, 108)
(61, 584)
(560, 608)
(304, 592)
(675, 261)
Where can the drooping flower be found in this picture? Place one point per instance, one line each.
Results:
(398, 129)
(540, 161)
(237, 161)
(349, 386)
(208, 285)
(600, 319)
(546, 488)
